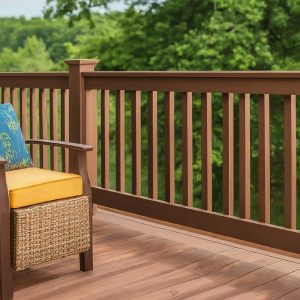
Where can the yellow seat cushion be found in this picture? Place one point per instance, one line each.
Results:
(33, 185)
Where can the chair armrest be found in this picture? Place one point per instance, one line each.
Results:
(78, 165)
(62, 144)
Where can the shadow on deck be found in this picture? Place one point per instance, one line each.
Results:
(137, 259)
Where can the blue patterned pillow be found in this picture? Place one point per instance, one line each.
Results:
(12, 145)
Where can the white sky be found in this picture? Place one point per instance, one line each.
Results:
(28, 8)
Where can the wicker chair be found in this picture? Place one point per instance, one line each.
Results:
(41, 232)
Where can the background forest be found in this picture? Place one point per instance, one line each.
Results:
(171, 35)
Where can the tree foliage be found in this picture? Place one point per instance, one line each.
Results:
(32, 56)
(73, 9)
(171, 35)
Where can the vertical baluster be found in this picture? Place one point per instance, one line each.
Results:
(33, 124)
(43, 128)
(105, 160)
(120, 141)
(23, 111)
(53, 128)
(65, 128)
(14, 98)
(264, 158)
(152, 145)
(136, 143)
(206, 113)
(228, 154)
(244, 124)
(169, 148)
(5, 94)
(290, 162)
(187, 147)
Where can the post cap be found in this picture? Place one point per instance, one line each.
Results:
(81, 61)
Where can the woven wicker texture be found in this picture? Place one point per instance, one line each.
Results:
(48, 231)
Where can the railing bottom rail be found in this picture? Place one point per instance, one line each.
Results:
(241, 229)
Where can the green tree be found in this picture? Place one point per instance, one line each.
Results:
(9, 60)
(198, 35)
(74, 9)
(54, 33)
(174, 35)
(31, 57)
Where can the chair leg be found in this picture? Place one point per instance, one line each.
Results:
(86, 260)
(6, 283)
(6, 271)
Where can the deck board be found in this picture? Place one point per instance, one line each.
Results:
(138, 259)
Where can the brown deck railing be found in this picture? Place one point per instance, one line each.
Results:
(79, 121)
(41, 102)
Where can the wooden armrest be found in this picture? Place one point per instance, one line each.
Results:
(78, 165)
(62, 144)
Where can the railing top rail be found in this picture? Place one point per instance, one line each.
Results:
(34, 74)
(54, 80)
(197, 74)
(254, 82)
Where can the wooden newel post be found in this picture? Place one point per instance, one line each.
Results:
(83, 113)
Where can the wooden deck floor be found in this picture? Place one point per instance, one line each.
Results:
(137, 259)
